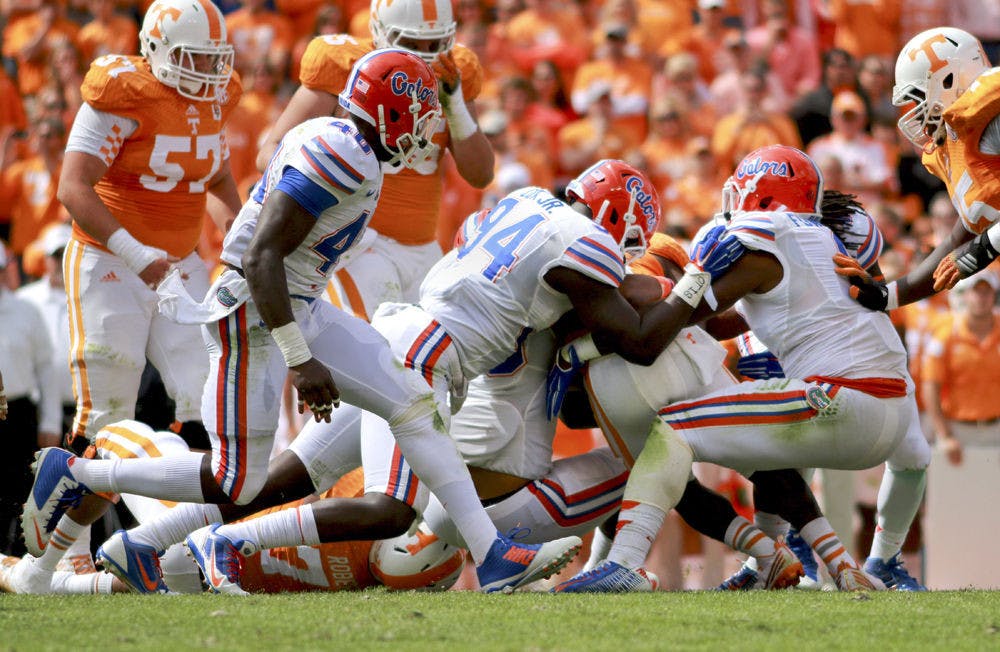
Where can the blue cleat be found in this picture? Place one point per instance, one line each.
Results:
(509, 566)
(893, 574)
(610, 577)
(745, 579)
(135, 564)
(53, 492)
(805, 554)
(220, 558)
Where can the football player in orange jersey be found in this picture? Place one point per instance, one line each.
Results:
(943, 75)
(393, 266)
(145, 152)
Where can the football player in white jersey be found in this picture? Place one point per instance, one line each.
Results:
(532, 259)
(262, 317)
(844, 405)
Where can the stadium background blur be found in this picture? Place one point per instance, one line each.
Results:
(680, 88)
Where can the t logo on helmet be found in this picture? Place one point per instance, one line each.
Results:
(927, 47)
(163, 12)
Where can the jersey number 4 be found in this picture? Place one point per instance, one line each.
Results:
(501, 245)
(332, 246)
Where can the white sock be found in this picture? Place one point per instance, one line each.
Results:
(434, 459)
(180, 572)
(172, 526)
(66, 533)
(638, 525)
(743, 536)
(899, 499)
(66, 583)
(827, 545)
(600, 546)
(771, 524)
(176, 477)
(289, 527)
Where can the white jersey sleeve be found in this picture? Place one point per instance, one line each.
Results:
(99, 133)
(328, 168)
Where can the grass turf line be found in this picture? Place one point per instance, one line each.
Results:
(378, 619)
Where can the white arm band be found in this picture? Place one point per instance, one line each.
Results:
(133, 253)
(293, 346)
(692, 286)
(461, 124)
(584, 347)
(892, 296)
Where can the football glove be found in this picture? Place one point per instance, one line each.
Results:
(870, 292)
(963, 262)
(760, 366)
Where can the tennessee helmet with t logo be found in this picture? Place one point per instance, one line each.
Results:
(397, 93)
(184, 42)
(774, 178)
(621, 199)
(424, 27)
(932, 71)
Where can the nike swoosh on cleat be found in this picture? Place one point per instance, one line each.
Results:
(38, 537)
(213, 578)
(147, 581)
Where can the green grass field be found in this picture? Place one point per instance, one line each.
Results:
(377, 619)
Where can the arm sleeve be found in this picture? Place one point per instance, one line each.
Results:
(99, 133)
(595, 258)
(990, 142)
(311, 196)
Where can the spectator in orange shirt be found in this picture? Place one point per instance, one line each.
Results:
(329, 20)
(549, 29)
(592, 137)
(65, 75)
(708, 34)
(27, 39)
(875, 85)
(962, 370)
(680, 82)
(752, 126)
(664, 152)
(865, 28)
(258, 33)
(630, 79)
(552, 105)
(694, 198)
(790, 51)
(31, 184)
(107, 32)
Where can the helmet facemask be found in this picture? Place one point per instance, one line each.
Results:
(193, 80)
(409, 148)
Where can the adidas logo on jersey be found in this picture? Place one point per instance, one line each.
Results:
(110, 277)
(191, 110)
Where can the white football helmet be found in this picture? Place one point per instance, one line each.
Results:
(424, 20)
(932, 71)
(416, 561)
(184, 42)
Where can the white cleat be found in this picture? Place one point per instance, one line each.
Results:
(23, 576)
(220, 559)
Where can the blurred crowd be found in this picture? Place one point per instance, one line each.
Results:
(683, 89)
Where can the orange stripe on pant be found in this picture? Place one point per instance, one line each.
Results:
(72, 263)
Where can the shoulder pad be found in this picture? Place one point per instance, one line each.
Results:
(979, 104)
(328, 60)
(116, 83)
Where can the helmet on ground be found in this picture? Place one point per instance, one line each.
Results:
(397, 23)
(184, 42)
(416, 561)
(395, 92)
(933, 69)
(621, 199)
(774, 178)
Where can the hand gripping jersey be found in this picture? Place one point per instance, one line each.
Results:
(331, 171)
(408, 210)
(809, 321)
(155, 185)
(971, 174)
(486, 292)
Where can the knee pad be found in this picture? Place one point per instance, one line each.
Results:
(661, 471)
(252, 485)
(408, 420)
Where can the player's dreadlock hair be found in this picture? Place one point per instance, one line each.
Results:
(836, 209)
